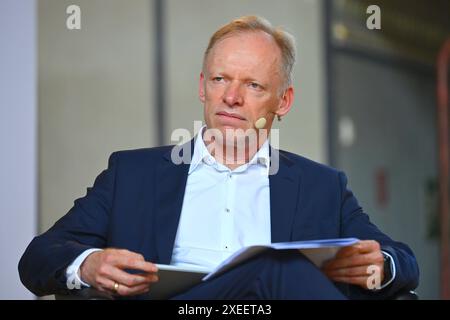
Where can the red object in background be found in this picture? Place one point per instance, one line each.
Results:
(442, 62)
(381, 187)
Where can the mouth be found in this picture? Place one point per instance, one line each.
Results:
(230, 115)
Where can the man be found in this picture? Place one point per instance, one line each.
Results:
(145, 209)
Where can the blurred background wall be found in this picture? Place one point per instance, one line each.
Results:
(365, 99)
(95, 94)
(382, 111)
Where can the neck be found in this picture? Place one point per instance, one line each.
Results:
(233, 154)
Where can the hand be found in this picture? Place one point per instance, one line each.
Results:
(103, 269)
(355, 264)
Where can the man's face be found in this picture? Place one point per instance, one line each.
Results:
(242, 82)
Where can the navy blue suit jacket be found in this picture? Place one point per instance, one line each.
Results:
(136, 204)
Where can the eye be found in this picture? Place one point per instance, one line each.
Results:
(217, 79)
(254, 85)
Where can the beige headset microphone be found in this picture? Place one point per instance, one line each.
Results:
(261, 122)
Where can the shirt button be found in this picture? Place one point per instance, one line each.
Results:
(227, 210)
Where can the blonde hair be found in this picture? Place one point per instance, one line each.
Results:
(284, 40)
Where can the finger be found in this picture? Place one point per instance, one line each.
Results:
(132, 262)
(348, 251)
(120, 276)
(363, 246)
(107, 280)
(117, 288)
(145, 289)
(128, 260)
(360, 281)
(124, 290)
(367, 246)
(355, 260)
(131, 280)
(142, 265)
(349, 272)
(105, 284)
(131, 254)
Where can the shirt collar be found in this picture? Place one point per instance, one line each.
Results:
(201, 154)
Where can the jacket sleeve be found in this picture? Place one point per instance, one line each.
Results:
(356, 223)
(42, 266)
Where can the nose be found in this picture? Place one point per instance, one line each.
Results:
(233, 96)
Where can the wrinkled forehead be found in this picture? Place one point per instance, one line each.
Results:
(255, 49)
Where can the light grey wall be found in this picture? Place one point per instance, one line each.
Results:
(18, 113)
(189, 27)
(95, 94)
(394, 116)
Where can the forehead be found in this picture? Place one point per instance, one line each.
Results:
(255, 50)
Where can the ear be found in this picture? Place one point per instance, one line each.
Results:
(201, 88)
(286, 102)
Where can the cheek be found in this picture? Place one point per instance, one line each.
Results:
(213, 100)
(215, 95)
(261, 105)
(209, 110)
(273, 103)
(213, 90)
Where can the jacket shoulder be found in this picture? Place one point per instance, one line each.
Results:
(143, 155)
(308, 167)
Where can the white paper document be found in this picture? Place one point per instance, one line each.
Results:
(318, 251)
(177, 279)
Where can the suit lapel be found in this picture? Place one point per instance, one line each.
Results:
(171, 184)
(284, 197)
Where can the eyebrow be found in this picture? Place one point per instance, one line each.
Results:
(247, 79)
